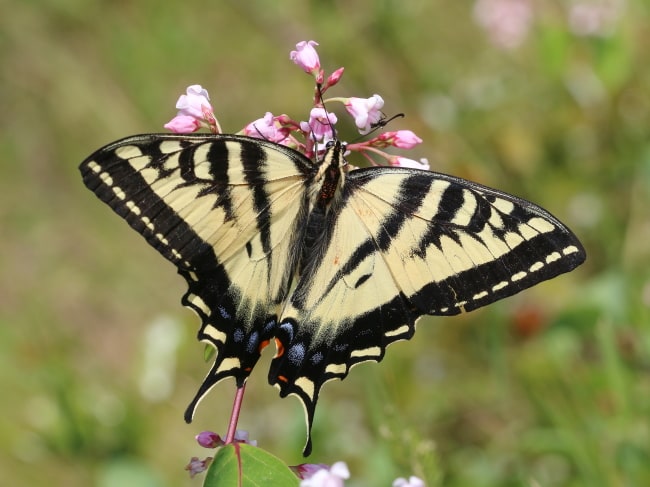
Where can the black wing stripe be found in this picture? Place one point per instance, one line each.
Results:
(99, 173)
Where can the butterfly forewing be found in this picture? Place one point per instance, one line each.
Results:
(227, 211)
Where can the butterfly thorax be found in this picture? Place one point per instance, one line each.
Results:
(331, 173)
(326, 183)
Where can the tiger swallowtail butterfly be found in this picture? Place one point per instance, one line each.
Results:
(330, 262)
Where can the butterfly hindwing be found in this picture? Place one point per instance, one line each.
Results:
(401, 243)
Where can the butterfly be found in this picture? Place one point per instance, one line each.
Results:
(329, 262)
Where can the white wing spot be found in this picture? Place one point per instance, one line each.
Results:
(571, 249)
(94, 167)
(553, 257)
(106, 178)
(119, 192)
(215, 334)
(147, 223)
(460, 304)
(176, 254)
(366, 352)
(536, 266)
(336, 369)
(397, 331)
(133, 207)
(480, 295)
(162, 238)
(518, 276)
(501, 285)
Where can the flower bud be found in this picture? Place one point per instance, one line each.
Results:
(306, 57)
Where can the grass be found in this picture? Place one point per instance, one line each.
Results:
(548, 388)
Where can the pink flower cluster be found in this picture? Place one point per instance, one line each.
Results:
(310, 474)
(208, 439)
(309, 137)
(507, 22)
(320, 475)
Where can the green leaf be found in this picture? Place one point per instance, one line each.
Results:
(209, 352)
(244, 465)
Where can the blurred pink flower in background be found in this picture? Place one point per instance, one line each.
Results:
(506, 22)
(595, 17)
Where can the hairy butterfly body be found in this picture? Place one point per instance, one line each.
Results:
(330, 263)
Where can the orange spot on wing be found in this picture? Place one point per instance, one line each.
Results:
(283, 378)
(263, 345)
(280, 348)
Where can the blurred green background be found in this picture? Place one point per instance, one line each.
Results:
(547, 100)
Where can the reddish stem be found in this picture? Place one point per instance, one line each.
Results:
(234, 416)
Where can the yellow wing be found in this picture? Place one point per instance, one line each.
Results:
(229, 212)
(400, 243)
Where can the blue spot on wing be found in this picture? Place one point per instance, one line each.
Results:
(238, 335)
(224, 314)
(253, 342)
(296, 354)
(288, 329)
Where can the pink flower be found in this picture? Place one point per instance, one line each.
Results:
(268, 127)
(413, 481)
(334, 78)
(208, 439)
(194, 102)
(402, 139)
(320, 125)
(405, 139)
(242, 436)
(307, 58)
(197, 466)
(183, 124)
(332, 477)
(399, 161)
(194, 112)
(595, 18)
(306, 470)
(506, 22)
(366, 111)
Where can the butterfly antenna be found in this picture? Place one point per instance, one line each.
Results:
(378, 125)
(383, 121)
(327, 113)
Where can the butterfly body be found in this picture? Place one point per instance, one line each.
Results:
(330, 263)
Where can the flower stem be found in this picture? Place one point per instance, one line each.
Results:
(234, 416)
